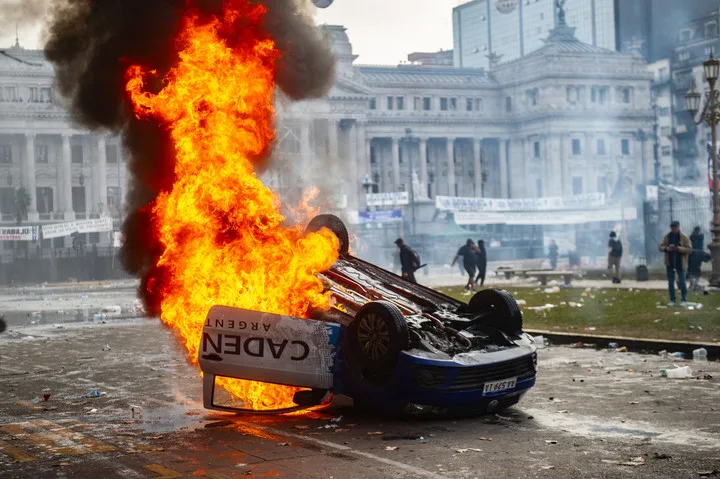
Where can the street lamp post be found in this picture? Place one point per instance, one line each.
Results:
(656, 145)
(710, 115)
(408, 142)
(642, 137)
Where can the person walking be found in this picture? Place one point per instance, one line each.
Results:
(467, 253)
(553, 254)
(409, 260)
(615, 252)
(695, 261)
(481, 262)
(677, 247)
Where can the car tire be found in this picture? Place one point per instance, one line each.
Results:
(377, 335)
(507, 317)
(334, 224)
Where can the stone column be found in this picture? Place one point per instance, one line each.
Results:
(66, 191)
(423, 167)
(101, 181)
(477, 167)
(504, 179)
(355, 178)
(450, 155)
(361, 153)
(333, 146)
(395, 145)
(29, 176)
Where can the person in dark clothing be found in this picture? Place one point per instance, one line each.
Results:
(697, 240)
(677, 247)
(467, 253)
(481, 262)
(409, 261)
(553, 254)
(615, 252)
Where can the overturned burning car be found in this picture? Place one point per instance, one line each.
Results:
(388, 344)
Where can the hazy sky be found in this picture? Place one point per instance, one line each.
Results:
(381, 31)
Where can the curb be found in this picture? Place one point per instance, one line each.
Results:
(638, 345)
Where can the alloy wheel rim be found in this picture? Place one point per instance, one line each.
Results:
(374, 336)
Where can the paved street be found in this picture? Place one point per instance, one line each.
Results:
(592, 414)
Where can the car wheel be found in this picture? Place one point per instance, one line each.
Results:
(334, 224)
(507, 316)
(376, 337)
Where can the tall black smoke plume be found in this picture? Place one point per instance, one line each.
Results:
(92, 43)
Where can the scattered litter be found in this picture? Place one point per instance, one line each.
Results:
(284, 444)
(336, 419)
(622, 350)
(550, 441)
(661, 307)
(677, 355)
(342, 430)
(46, 396)
(376, 433)
(485, 438)
(468, 449)
(392, 448)
(657, 320)
(95, 394)
(684, 372)
(591, 328)
(613, 345)
(564, 411)
(403, 437)
(539, 341)
(659, 455)
(635, 461)
(92, 411)
(215, 424)
(137, 411)
(301, 427)
(633, 402)
(546, 468)
(106, 347)
(714, 472)
(700, 355)
(554, 289)
(62, 464)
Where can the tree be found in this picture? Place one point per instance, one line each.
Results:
(22, 203)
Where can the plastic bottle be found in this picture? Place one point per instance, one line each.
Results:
(613, 346)
(700, 355)
(680, 373)
(677, 355)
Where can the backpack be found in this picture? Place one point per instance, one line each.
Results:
(617, 249)
(417, 257)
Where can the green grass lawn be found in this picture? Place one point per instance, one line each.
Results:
(614, 311)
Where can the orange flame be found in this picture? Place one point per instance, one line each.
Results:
(223, 235)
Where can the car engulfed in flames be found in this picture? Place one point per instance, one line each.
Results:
(388, 344)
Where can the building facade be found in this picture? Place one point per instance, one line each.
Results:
(561, 121)
(68, 173)
(511, 29)
(695, 40)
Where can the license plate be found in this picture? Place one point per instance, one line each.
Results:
(496, 386)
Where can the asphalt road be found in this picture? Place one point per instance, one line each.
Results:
(592, 414)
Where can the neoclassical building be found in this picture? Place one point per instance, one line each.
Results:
(561, 121)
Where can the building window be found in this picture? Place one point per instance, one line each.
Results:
(78, 199)
(573, 95)
(44, 200)
(34, 94)
(532, 96)
(665, 111)
(7, 200)
(625, 146)
(6, 153)
(453, 104)
(625, 94)
(478, 104)
(10, 94)
(400, 102)
(686, 35)
(427, 104)
(113, 197)
(666, 150)
(663, 75)
(536, 149)
(111, 153)
(602, 184)
(601, 147)
(684, 56)
(46, 95)
(373, 104)
(599, 95)
(41, 153)
(666, 131)
(443, 104)
(76, 154)
(711, 29)
(390, 102)
(469, 104)
(576, 148)
(417, 103)
(577, 185)
(508, 104)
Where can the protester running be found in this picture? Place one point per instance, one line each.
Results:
(481, 262)
(677, 247)
(409, 260)
(468, 253)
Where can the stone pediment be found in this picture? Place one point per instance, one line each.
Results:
(348, 88)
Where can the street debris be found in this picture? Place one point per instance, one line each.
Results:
(376, 433)
(106, 347)
(700, 355)
(403, 437)
(659, 455)
(546, 468)
(468, 449)
(714, 472)
(635, 461)
(485, 439)
(92, 411)
(46, 396)
(684, 372)
(550, 441)
(591, 328)
(137, 411)
(300, 426)
(392, 448)
(62, 464)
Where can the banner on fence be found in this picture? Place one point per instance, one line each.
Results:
(451, 203)
(19, 233)
(95, 225)
(381, 216)
(398, 198)
(547, 218)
